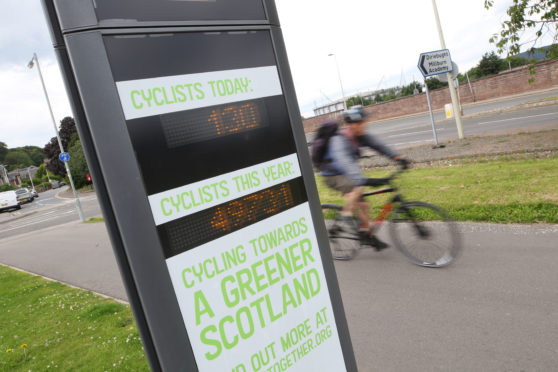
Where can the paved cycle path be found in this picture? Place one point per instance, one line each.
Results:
(495, 309)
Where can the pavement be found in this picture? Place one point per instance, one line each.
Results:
(77, 254)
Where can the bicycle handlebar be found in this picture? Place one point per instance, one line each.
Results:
(403, 166)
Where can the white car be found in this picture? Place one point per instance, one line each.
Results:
(8, 200)
(24, 195)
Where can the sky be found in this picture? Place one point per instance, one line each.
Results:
(376, 44)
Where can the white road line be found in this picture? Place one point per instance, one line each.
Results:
(409, 143)
(519, 118)
(408, 134)
(38, 219)
(26, 225)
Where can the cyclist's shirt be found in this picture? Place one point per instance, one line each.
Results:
(343, 152)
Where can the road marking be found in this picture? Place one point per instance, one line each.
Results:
(42, 200)
(34, 222)
(523, 117)
(408, 134)
(27, 224)
(409, 143)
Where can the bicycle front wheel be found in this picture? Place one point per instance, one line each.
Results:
(425, 234)
(343, 240)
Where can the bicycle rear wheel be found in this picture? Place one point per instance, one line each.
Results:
(343, 240)
(425, 234)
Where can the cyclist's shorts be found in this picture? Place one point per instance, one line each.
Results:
(339, 183)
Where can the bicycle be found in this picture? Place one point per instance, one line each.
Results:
(433, 239)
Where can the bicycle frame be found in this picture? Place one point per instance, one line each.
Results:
(387, 207)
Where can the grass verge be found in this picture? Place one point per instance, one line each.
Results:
(501, 191)
(46, 325)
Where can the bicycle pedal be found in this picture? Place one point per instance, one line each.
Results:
(372, 241)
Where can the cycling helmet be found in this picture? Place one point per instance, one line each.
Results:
(354, 115)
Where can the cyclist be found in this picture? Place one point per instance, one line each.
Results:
(342, 173)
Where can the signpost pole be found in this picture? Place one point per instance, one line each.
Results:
(454, 99)
(431, 115)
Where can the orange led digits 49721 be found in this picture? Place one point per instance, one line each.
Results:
(252, 208)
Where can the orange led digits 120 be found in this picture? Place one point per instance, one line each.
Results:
(192, 126)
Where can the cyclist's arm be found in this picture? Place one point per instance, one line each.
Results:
(341, 152)
(377, 145)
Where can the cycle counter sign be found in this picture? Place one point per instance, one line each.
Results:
(211, 204)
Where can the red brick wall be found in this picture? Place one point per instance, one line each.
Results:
(504, 84)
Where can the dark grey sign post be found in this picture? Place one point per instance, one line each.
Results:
(190, 125)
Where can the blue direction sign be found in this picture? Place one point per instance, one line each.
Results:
(64, 157)
(435, 63)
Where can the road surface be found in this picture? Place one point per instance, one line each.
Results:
(405, 133)
(494, 309)
(49, 209)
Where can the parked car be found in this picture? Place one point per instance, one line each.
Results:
(24, 195)
(57, 184)
(35, 193)
(8, 200)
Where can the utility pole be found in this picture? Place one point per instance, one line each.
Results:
(78, 204)
(453, 93)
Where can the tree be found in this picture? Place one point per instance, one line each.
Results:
(358, 100)
(52, 150)
(516, 61)
(67, 131)
(41, 174)
(409, 90)
(53, 164)
(434, 83)
(78, 165)
(17, 159)
(3, 151)
(490, 64)
(539, 16)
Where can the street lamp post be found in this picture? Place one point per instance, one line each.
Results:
(30, 65)
(339, 76)
(5, 173)
(454, 98)
(30, 178)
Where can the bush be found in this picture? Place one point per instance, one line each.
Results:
(43, 186)
(6, 187)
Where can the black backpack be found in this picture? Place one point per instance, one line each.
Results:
(326, 130)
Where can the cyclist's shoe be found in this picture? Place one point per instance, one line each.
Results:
(378, 245)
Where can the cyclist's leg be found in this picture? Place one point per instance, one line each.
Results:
(351, 193)
(368, 230)
(352, 201)
(363, 215)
